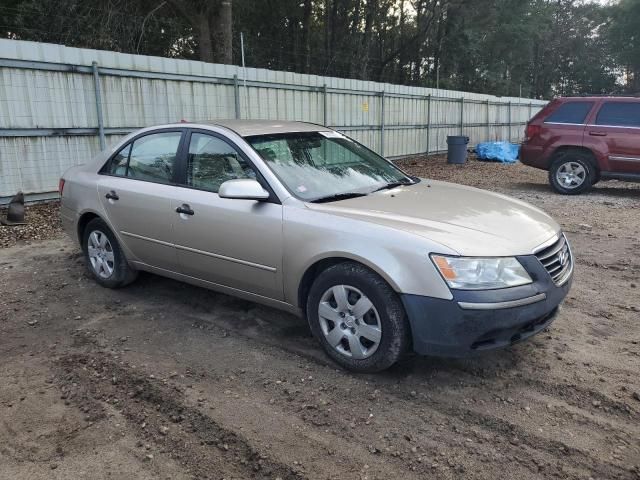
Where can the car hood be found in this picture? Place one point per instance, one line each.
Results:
(467, 220)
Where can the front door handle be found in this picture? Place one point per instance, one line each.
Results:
(112, 195)
(186, 209)
(598, 134)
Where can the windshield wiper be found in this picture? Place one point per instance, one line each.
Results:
(391, 185)
(338, 196)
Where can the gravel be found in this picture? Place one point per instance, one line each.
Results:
(43, 223)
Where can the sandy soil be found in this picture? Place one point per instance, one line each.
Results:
(163, 380)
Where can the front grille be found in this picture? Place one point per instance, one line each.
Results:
(557, 260)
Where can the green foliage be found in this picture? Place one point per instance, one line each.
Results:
(624, 37)
(539, 48)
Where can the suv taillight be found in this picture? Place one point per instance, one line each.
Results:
(531, 131)
(61, 186)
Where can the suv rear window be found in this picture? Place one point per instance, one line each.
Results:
(571, 112)
(619, 114)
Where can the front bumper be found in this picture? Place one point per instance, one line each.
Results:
(474, 321)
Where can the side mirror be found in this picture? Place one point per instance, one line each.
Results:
(243, 189)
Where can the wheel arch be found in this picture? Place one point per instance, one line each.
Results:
(83, 221)
(321, 264)
(567, 149)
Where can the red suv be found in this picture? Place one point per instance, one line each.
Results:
(581, 140)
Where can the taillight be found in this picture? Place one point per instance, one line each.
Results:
(61, 186)
(531, 131)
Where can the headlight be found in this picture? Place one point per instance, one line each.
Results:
(469, 273)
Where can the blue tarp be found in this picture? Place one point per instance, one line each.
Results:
(504, 152)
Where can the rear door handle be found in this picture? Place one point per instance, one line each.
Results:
(112, 195)
(186, 209)
(598, 134)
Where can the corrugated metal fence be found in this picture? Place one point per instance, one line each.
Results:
(59, 105)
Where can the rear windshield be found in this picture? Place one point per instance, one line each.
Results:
(570, 112)
(619, 114)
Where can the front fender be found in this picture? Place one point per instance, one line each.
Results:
(401, 258)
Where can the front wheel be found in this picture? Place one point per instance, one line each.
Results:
(104, 257)
(572, 173)
(358, 318)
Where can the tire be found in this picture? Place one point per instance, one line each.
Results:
(111, 268)
(578, 171)
(368, 342)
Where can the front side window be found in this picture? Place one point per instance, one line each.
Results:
(619, 114)
(316, 166)
(212, 161)
(571, 112)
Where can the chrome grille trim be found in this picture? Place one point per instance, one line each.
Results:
(553, 250)
(557, 260)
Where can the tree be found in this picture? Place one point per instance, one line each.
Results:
(212, 23)
(624, 38)
(119, 25)
(541, 48)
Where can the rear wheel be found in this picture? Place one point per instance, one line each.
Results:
(358, 318)
(572, 173)
(104, 257)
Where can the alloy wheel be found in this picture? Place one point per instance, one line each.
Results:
(571, 175)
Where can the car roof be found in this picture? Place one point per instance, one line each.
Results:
(246, 128)
(625, 98)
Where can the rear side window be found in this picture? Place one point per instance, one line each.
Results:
(151, 158)
(619, 114)
(570, 112)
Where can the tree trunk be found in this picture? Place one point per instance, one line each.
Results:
(306, 35)
(333, 23)
(356, 44)
(205, 45)
(370, 16)
(223, 33)
(327, 34)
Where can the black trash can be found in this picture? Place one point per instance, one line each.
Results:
(457, 149)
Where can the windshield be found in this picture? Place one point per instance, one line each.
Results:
(317, 166)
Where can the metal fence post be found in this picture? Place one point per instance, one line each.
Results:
(236, 95)
(461, 115)
(509, 120)
(428, 121)
(382, 123)
(488, 120)
(325, 113)
(96, 85)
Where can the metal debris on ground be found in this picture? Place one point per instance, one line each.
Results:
(15, 211)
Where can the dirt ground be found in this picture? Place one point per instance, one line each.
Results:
(162, 380)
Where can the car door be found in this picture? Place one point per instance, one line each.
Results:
(617, 128)
(231, 242)
(135, 188)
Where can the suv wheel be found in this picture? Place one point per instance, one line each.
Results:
(572, 173)
(358, 318)
(103, 256)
